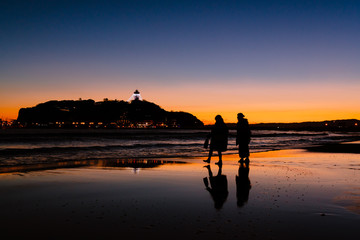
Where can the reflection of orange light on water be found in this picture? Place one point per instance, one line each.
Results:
(350, 200)
(279, 154)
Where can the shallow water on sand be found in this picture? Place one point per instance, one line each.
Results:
(292, 196)
(34, 146)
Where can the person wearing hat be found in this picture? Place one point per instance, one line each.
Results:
(243, 137)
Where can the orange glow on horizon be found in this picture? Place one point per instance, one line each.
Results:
(208, 117)
(279, 116)
(9, 113)
(292, 102)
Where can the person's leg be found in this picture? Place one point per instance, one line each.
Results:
(220, 158)
(240, 153)
(209, 171)
(247, 153)
(209, 157)
(220, 170)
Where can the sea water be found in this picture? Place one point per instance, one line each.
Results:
(32, 146)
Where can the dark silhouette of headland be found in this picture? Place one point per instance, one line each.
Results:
(136, 113)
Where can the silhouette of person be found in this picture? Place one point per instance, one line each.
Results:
(243, 137)
(218, 139)
(243, 184)
(218, 187)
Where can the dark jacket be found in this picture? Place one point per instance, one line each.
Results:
(243, 135)
(219, 137)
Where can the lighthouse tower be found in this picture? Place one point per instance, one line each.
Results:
(135, 96)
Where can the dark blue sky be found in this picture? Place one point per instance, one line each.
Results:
(140, 43)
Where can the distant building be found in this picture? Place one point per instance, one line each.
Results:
(135, 96)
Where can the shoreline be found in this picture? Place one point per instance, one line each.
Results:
(342, 147)
(352, 147)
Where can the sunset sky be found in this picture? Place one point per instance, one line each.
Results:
(275, 61)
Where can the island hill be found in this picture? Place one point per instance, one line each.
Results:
(106, 114)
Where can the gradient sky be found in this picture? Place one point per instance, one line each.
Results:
(284, 61)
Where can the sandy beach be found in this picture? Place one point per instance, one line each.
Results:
(286, 194)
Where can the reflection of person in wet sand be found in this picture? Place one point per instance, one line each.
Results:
(243, 136)
(219, 138)
(243, 184)
(218, 187)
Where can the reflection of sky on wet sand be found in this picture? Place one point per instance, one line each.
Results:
(289, 197)
(350, 199)
(110, 163)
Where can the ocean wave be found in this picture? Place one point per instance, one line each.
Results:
(26, 147)
(39, 150)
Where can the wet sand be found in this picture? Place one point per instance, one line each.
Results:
(287, 194)
(347, 147)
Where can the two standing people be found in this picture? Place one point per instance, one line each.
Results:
(219, 138)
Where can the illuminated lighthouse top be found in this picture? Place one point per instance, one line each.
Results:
(135, 96)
